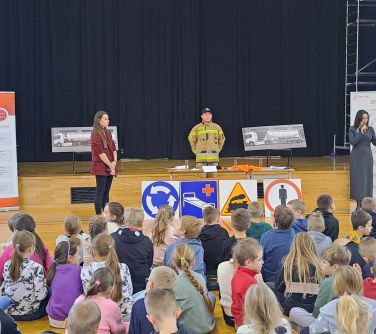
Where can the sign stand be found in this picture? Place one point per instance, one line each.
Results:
(289, 158)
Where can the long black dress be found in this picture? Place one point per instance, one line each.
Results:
(361, 163)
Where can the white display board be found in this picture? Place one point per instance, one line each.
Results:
(274, 137)
(157, 193)
(9, 198)
(280, 192)
(76, 139)
(365, 101)
(234, 194)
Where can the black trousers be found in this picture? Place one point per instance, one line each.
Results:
(102, 194)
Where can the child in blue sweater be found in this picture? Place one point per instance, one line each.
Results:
(188, 230)
(298, 208)
(277, 242)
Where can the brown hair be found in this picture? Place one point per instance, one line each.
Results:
(347, 279)
(368, 204)
(72, 225)
(162, 221)
(300, 261)
(338, 255)
(61, 255)
(162, 277)
(97, 224)
(256, 210)
(297, 205)
(25, 222)
(360, 218)
(316, 222)
(367, 248)
(12, 219)
(133, 217)
(101, 281)
(240, 219)
(283, 217)
(324, 202)
(22, 241)
(104, 246)
(83, 317)
(246, 249)
(210, 214)
(117, 210)
(191, 225)
(183, 259)
(262, 309)
(161, 303)
(352, 315)
(97, 127)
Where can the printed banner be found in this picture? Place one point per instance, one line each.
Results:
(9, 198)
(365, 101)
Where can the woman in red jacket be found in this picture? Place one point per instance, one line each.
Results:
(104, 159)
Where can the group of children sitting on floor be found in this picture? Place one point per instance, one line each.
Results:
(115, 279)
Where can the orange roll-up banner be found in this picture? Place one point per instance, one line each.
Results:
(8, 153)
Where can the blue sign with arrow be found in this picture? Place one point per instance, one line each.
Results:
(157, 194)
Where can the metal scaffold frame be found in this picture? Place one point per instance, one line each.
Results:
(358, 77)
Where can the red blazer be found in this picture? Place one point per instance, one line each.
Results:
(369, 288)
(242, 280)
(98, 167)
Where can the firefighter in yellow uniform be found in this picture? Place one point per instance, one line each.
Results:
(206, 140)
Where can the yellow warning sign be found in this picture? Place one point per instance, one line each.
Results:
(238, 198)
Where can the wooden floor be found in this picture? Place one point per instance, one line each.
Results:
(45, 194)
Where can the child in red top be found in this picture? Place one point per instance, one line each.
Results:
(369, 284)
(248, 254)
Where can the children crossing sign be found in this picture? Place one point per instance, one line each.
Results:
(236, 194)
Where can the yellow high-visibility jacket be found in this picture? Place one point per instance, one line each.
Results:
(206, 141)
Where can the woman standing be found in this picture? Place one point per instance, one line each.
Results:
(104, 159)
(361, 161)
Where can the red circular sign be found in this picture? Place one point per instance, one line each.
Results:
(267, 190)
(3, 114)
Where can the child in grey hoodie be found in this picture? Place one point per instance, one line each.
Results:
(316, 225)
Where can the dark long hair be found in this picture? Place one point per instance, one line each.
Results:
(97, 118)
(359, 117)
(61, 257)
(24, 222)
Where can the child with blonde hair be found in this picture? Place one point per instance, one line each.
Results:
(248, 256)
(83, 317)
(162, 234)
(65, 268)
(346, 281)
(24, 281)
(104, 255)
(134, 248)
(73, 231)
(332, 258)
(352, 315)
(191, 293)
(100, 291)
(298, 208)
(297, 283)
(316, 227)
(262, 313)
(188, 230)
(258, 226)
(97, 225)
(113, 213)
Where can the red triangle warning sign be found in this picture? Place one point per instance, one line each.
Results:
(238, 198)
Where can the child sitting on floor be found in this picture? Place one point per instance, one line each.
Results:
(298, 208)
(262, 313)
(316, 225)
(83, 317)
(325, 204)
(188, 230)
(113, 213)
(258, 226)
(65, 268)
(24, 281)
(99, 291)
(248, 255)
(212, 237)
